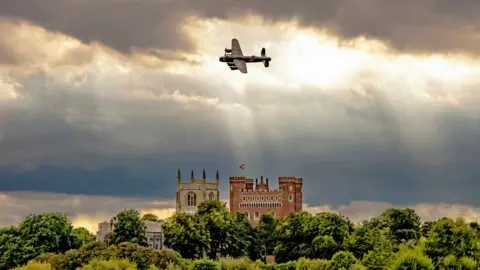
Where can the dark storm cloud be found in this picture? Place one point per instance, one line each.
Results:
(82, 142)
(409, 25)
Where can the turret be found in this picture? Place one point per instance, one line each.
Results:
(192, 178)
(217, 178)
(204, 176)
(179, 179)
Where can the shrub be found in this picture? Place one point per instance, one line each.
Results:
(50, 258)
(96, 264)
(237, 264)
(204, 264)
(411, 259)
(34, 265)
(342, 259)
(306, 264)
(165, 257)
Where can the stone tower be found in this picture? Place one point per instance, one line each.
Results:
(191, 194)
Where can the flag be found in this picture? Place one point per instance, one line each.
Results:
(242, 167)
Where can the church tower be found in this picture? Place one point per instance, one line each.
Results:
(191, 194)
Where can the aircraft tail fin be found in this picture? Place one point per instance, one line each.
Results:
(264, 52)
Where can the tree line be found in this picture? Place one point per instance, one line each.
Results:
(214, 238)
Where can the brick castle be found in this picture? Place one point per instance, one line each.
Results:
(256, 198)
(249, 196)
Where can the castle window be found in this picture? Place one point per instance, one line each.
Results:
(257, 215)
(258, 198)
(290, 197)
(211, 196)
(192, 199)
(246, 213)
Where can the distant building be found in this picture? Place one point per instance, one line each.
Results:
(191, 194)
(153, 233)
(255, 199)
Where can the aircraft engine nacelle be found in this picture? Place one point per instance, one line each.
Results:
(266, 63)
(228, 50)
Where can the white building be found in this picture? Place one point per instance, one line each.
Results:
(153, 233)
(191, 194)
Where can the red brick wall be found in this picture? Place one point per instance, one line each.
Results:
(263, 202)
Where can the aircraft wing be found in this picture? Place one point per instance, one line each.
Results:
(236, 49)
(241, 65)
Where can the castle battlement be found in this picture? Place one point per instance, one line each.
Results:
(254, 197)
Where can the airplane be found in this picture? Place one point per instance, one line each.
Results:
(237, 61)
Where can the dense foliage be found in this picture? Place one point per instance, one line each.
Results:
(214, 238)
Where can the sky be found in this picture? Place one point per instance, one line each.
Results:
(374, 103)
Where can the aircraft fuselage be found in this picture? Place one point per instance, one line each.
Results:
(247, 59)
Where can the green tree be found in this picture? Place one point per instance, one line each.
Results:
(75, 258)
(448, 237)
(377, 259)
(367, 237)
(150, 217)
(290, 234)
(13, 250)
(325, 234)
(266, 232)
(404, 224)
(128, 228)
(227, 231)
(451, 262)
(342, 260)
(81, 236)
(186, 235)
(408, 258)
(48, 232)
(240, 236)
(425, 228)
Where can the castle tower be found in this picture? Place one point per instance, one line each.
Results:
(191, 194)
(291, 187)
(237, 185)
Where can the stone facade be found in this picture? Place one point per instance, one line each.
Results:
(191, 194)
(256, 198)
(153, 233)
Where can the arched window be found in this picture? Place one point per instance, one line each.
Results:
(257, 215)
(273, 214)
(211, 196)
(192, 199)
(290, 197)
(248, 216)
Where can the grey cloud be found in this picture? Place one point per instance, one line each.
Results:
(368, 149)
(419, 26)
